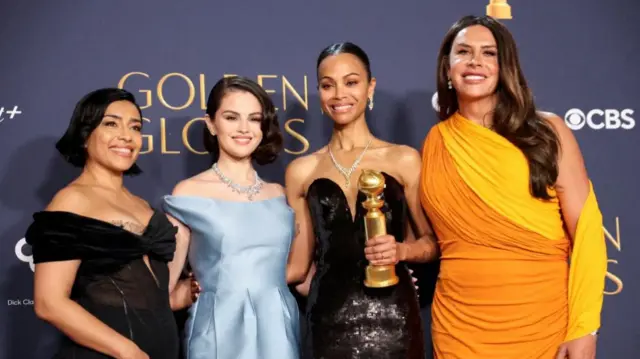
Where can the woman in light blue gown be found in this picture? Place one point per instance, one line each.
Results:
(237, 232)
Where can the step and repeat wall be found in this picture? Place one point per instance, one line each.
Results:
(580, 58)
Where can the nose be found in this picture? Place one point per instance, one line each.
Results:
(243, 126)
(125, 134)
(473, 61)
(339, 91)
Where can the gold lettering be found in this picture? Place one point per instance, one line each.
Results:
(185, 136)
(163, 139)
(160, 91)
(287, 85)
(615, 279)
(296, 135)
(148, 138)
(146, 92)
(203, 95)
(615, 241)
(261, 83)
(229, 75)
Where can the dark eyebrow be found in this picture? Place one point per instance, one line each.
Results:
(237, 114)
(120, 118)
(347, 75)
(484, 47)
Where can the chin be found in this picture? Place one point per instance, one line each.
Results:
(242, 153)
(344, 119)
(475, 95)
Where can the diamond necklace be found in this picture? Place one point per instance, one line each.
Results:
(250, 191)
(346, 172)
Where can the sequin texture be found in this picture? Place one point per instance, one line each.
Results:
(345, 319)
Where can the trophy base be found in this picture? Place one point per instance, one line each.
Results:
(499, 11)
(380, 276)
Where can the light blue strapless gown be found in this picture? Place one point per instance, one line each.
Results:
(238, 254)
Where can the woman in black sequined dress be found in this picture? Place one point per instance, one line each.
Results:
(345, 319)
(101, 253)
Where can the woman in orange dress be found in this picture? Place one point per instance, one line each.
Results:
(509, 198)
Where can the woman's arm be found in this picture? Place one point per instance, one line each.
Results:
(422, 245)
(181, 291)
(183, 237)
(53, 283)
(300, 255)
(583, 222)
(304, 287)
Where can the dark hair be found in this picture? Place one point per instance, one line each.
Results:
(515, 116)
(271, 143)
(346, 48)
(87, 115)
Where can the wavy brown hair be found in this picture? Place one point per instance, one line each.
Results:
(515, 116)
(272, 141)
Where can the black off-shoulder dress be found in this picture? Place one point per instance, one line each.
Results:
(113, 282)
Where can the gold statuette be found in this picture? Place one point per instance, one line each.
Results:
(371, 183)
(499, 9)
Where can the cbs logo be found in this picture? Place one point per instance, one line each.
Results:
(23, 257)
(597, 119)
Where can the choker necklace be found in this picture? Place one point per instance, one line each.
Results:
(250, 191)
(346, 172)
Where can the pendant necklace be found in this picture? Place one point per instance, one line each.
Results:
(346, 172)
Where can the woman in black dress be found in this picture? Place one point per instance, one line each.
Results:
(101, 253)
(345, 319)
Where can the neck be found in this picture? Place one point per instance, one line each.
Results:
(479, 111)
(101, 176)
(239, 170)
(352, 135)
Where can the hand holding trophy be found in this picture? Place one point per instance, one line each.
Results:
(380, 246)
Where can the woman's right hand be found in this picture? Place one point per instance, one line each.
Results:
(132, 351)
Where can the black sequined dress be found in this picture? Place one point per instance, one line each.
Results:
(345, 319)
(113, 283)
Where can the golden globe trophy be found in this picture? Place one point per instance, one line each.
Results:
(371, 183)
(499, 9)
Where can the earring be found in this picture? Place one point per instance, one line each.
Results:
(370, 103)
(449, 84)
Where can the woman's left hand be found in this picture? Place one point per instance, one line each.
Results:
(382, 250)
(580, 348)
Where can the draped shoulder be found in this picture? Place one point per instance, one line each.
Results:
(498, 173)
(60, 236)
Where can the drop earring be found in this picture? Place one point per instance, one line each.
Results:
(371, 103)
(449, 84)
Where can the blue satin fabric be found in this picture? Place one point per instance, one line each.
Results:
(238, 253)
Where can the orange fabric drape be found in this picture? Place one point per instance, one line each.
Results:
(505, 289)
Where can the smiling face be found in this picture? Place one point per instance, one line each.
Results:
(237, 124)
(115, 143)
(473, 63)
(344, 87)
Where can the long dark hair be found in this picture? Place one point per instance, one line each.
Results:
(515, 116)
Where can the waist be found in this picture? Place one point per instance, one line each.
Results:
(495, 282)
(242, 284)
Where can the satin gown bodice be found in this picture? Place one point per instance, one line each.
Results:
(345, 318)
(238, 252)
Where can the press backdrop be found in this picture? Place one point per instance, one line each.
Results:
(580, 58)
